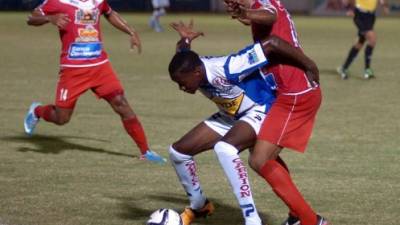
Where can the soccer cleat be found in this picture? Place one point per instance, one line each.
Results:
(31, 120)
(189, 214)
(291, 220)
(344, 73)
(368, 73)
(321, 220)
(153, 157)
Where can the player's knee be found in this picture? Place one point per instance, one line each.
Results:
(223, 148)
(361, 41)
(372, 42)
(176, 156)
(255, 163)
(122, 107)
(61, 120)
(119, 102)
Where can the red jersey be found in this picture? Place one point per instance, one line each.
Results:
(81, 38)
(289, 79)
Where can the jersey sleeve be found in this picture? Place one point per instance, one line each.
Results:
(48, 7)
(239, 66)
(105, 8)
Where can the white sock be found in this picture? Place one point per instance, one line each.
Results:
(236, 172)
(186, 170)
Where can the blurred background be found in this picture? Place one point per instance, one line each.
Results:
(308, 7)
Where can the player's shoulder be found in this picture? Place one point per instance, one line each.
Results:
(81, 4)
(264, 4)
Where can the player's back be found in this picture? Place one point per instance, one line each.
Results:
(367, 5)
(289, 79)
(283, 26)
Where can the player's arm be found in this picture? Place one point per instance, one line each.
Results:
(385, 5)
(118, 22)
(37, 18)
(349, 5)
(275, 47)
(265, 15)
(186, 33)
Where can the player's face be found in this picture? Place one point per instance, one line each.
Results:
(188, 82)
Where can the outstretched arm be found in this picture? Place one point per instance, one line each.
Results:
(38, 19)
(117, 21)
(187, 35)
(275, 46)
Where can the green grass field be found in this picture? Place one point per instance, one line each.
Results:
(88, 171)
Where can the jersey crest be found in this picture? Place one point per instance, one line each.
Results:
(86, 17)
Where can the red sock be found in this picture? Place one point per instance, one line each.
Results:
(135, 130)
(46, 112)
(283, 186)
(283, 164)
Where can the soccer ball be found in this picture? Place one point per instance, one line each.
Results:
(164, 217)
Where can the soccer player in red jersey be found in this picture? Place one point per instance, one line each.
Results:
(85, 65)
(291, 118)
(243, 95)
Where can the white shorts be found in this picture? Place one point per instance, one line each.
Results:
(160, 3)
(222, 123)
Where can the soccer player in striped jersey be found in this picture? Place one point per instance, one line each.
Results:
(85, 66)
(363, 13)
(290, 121)
(243, 96)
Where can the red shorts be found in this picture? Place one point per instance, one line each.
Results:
(290, 120)
(73, 82)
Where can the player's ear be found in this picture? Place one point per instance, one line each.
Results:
(198, 71)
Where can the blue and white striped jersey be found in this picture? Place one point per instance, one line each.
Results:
(235, 83)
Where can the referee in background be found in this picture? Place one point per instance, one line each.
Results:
(363, 13)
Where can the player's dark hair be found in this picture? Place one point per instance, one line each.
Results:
(183, 62)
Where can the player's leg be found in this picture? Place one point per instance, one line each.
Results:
(69, 87)
(263, 161)
(359, 22)
(129, 119)
(158, 11)
(107, 86)
(54, 114)
(241, 136)
(200, 138)
(50, 113)
(132, 126)
(371, 42)
(289, 123)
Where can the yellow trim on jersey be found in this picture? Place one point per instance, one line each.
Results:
(367, 5)
(230, 106)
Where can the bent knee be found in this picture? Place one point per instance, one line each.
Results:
(176, 156)
(62, 120)
(255, 163)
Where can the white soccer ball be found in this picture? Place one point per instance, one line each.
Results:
(164, 217)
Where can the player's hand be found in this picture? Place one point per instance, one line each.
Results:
(60, 20)
(350, 13)
(386, 10)
(232, 7)
(312, 74)
(186, 31)
(237, 8)
(135, 42)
